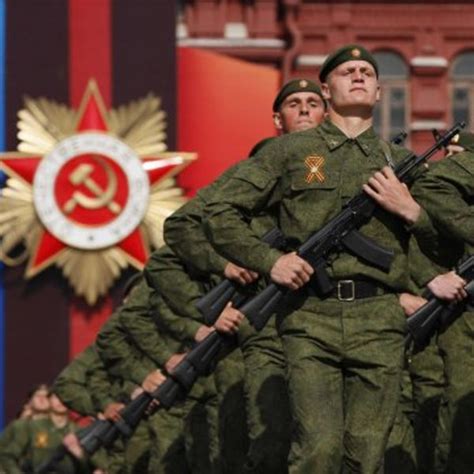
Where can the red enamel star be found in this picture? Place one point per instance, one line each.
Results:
(92, 191)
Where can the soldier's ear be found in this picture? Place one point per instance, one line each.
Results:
(277, 121)
(378, 92)
(325, 91)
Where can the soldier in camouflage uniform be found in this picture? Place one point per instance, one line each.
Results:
(27, 444)
(85, 387)
(137, 351)
(298, 106)
(344, 352)
(446, 192)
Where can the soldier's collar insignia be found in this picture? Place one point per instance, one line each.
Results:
(315, 164)
(303, 83)
(355, 53)
(41, 440)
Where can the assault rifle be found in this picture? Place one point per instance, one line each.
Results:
(177, 385)
(424, 322)
(340, 232)
(213, 303)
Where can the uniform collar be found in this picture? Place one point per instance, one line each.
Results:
(335, 137)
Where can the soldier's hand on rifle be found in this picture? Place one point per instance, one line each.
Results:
(239, 275)
(448, 286)
(410, 303)
(112, 411)
(173, 361)
(388, 192)
(153, 380)
(71, 443)
(229, 320)
(203, 332)
(291, 271)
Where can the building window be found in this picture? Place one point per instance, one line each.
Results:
(391, 114)
(462, 89)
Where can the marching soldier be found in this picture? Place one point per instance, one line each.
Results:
(344, 352)
(446, 193)
(298, 106)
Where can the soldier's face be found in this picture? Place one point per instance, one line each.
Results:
(39, 402)
(299, 111)
(352, 87)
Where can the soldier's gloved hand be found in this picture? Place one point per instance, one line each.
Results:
(391, 194)
(238, 274)
(112, 410)
(291, 271)
(448, 286)
(203, 332)
(153, 380)
(410, 303)
(173, 361)
(229, 320)
(71, 443)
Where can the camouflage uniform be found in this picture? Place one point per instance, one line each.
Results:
(27, 444)
(85, 387)
(124, 363)
(267, 405)
(147, 348)
(446, 192)
(344, 358)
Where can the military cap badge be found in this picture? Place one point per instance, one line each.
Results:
(303, 83)
(355, 53)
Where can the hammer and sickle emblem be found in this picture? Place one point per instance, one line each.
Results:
(102, 197)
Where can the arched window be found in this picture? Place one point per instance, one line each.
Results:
(391, 114)
(462, 89)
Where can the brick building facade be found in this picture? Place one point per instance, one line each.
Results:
(425, 49)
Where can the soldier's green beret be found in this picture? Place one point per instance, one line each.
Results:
(465, 140)
(350, 52)
(296, 85)
(260, 145)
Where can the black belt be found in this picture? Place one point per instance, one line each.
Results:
(350, 290)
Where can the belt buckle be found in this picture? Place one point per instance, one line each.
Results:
(340, 284)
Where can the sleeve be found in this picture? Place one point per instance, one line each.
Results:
(13, 446)
(100, 387)
(71, 384)
(246, 194)
(167, 275)
(184, 231)
(180, 327)
(445, 193)
(117, 354)
(136, 319)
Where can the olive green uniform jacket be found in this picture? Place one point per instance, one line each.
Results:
(447, 194)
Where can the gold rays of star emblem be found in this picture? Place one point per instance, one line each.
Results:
(44, 125)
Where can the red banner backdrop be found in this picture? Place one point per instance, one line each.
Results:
(224, 108)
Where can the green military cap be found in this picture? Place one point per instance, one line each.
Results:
(350, 52)
(465, 140)
(296, 85)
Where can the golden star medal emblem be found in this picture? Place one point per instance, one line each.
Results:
(88, 189)
(315, 164)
